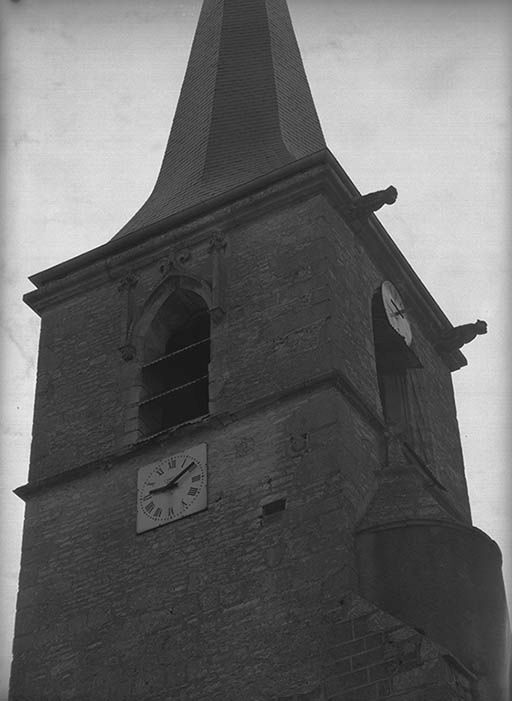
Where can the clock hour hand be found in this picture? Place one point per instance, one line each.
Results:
(165, 488)
(399, 312)
(172, 483)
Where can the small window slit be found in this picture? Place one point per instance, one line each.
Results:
(273, 507)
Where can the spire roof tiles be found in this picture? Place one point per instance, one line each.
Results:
(245, 108)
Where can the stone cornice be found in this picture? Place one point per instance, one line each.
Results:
(193, 225)
(319, 174)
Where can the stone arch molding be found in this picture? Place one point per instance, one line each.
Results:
(134, 347)
(172, 283)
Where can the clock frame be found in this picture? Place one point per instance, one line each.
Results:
(396, 312)
(172, 488)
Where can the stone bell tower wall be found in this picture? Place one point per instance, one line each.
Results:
(297, 289)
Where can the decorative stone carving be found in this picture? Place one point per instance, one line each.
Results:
(363, 206)
(182, 257)
(395, 456)
(217, 242)
(175, 261)
(128, 282)
(126, 287)
(299, 443)
(128, 352)
(165, 265)
(217, 249)
(460, 335)
(244, 447)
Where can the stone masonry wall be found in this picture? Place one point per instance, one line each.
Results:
(77, 397)
(377, 658)
(355, 277)
(298, 302)
(223, 604)
(226, 604)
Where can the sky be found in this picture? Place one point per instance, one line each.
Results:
(414, 94)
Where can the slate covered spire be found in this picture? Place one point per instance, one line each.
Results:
(245, 108)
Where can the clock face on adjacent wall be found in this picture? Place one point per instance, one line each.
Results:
(395, 311)
(172, 488)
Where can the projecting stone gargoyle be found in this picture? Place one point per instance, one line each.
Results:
(460, 335)
(365, 205)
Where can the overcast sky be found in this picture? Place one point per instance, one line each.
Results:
(414, 94)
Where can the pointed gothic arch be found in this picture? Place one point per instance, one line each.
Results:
(172, 338)
(172, 283)
(399, 381)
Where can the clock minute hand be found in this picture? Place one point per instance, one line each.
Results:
(399, 312)
(172, 483)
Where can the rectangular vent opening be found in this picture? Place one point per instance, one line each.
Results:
(274, 507)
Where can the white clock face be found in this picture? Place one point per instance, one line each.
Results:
(395, 311)
(172, 488)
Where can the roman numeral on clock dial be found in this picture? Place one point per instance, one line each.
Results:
(172, 488)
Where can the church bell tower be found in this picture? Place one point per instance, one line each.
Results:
(246, 477)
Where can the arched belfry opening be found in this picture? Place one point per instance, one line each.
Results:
(176, 356)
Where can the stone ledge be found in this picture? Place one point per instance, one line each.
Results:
(334, 380)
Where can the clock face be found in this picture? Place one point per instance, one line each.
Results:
(171, 488)
(395, 311)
